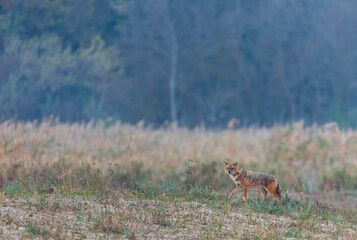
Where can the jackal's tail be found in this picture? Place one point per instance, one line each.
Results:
(278, 190)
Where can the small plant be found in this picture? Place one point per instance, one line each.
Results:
(160, 217)
(293, 233)
(148, 191)
(35, 230)
(268, 206)
(10, 189)
(287, 206)
(38, 204)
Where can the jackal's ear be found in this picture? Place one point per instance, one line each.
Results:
(225, 162)
(235, 164)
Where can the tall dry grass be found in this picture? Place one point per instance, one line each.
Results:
(309, 159)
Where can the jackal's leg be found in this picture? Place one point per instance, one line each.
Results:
(277, 196)
(234, 191)
(265, 192)
(273, 188)
(245, 188)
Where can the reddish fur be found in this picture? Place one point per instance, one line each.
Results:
(249, 179)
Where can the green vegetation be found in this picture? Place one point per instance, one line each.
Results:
(49, 154)
(95, 181)
(134, 213)
(34, 230)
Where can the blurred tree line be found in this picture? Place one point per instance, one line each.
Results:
(194, 62)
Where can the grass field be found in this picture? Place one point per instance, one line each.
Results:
(109, 180)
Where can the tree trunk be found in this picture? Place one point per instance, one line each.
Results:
(173, 69)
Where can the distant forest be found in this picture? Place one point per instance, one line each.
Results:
(192, 62)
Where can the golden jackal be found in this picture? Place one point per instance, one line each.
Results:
(251, 179)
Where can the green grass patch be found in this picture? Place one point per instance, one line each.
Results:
(34, 231)
(287, 206)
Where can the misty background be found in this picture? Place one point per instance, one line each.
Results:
(191, 62)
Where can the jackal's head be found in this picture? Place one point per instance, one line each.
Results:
(231, 168)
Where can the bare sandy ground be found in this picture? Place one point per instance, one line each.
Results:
(123, 217)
